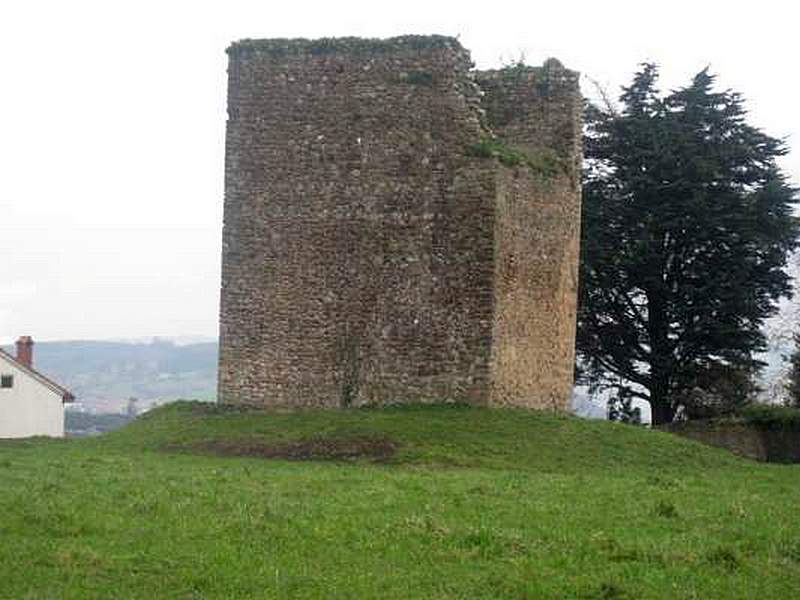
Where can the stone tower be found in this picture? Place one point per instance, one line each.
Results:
(398, 227)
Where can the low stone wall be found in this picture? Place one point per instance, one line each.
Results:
(766, 445)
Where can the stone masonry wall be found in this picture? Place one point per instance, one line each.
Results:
(362, 234)
(537, 234)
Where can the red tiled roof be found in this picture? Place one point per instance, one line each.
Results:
(66, 395)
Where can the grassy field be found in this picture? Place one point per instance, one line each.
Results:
(445, 502)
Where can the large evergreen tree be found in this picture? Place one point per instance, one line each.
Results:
(687, 224)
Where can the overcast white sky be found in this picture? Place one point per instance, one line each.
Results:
(112, 118)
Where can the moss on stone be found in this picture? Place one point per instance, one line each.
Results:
(545, 163)
(419, 78)
(283, 46)
(493, 148)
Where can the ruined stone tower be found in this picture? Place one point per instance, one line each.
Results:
(398, 228)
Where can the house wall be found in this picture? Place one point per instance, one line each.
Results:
(29, 408)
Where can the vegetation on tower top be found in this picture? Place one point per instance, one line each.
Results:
(281, 46)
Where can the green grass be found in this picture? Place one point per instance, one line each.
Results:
(543, 163)
(475, 503)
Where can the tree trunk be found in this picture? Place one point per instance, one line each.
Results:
(661, 411)
(661, 407)
(660, 360)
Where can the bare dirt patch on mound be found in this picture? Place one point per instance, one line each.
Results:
(375, 449)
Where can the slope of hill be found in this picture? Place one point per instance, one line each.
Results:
(103, 375)
(197, 500)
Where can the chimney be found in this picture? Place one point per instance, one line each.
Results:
(25, 351)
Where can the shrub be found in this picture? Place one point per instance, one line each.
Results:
(772, 417)
(719, 390)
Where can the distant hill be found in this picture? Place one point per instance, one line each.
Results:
(104, 375)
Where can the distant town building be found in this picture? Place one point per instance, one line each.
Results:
(30, 403)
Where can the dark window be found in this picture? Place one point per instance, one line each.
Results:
(6, 381)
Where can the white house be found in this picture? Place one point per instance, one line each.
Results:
(30, 403)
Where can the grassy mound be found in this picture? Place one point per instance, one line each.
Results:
(198, 501)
